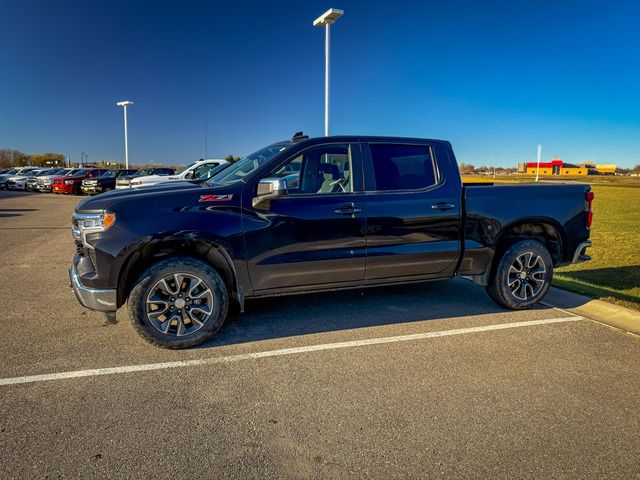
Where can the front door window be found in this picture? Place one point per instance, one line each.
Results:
(320, 170)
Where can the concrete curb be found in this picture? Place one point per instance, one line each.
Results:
(603, 312)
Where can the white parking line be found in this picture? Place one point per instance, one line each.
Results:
(276, 353)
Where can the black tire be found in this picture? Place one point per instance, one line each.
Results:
(145, 290)
(77, 190)
(512, 288)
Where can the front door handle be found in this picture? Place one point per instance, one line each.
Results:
(442, 206)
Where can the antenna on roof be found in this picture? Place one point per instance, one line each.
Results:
(299, 136)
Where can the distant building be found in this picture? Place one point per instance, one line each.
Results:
(606, 168)
(558, 167)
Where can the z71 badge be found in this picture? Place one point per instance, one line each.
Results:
(215, 198)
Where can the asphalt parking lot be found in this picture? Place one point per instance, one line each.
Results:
(426, 381)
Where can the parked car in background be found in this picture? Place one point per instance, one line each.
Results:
(14, 181)
(106, 182)
(44, 183)
(19, 181)
(125, 181)
(73, 183)
(4, 175)
(32, 178)
(190, 172)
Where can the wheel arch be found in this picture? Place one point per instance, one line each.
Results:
(543, 229)
(211, 252)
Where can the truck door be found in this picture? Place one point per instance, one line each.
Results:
(314, 235)
(412, 212)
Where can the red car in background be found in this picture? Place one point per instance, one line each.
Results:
(73, 184)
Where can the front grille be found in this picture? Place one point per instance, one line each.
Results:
(79, 247)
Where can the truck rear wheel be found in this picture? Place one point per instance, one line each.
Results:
(523, 275)
(178, 303)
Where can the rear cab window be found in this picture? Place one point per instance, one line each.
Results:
(402, 167)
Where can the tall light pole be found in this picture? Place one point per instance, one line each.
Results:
(538, 167)
(326, 20)
(125, 104)
(206, 140)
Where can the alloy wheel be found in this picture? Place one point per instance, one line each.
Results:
(526, 276)
(179, 304)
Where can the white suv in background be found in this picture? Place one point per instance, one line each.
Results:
(14, 175)
(190, 172)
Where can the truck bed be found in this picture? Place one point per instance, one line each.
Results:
(491, 211)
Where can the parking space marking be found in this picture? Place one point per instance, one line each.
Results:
(276, 353)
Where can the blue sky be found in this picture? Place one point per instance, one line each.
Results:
(495, 78)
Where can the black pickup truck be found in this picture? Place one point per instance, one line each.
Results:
(312, 214)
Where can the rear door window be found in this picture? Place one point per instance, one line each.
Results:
(402, 167)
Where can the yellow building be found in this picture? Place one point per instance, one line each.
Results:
(606, 168)
(564, 170)
(558, 167)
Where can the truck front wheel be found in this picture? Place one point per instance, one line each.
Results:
(522, 276)
(178, 303)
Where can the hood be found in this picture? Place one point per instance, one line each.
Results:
(157, 178)
(50, 176)
(103, 178)
(104, 200)
(74, 177)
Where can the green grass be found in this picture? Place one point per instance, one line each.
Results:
(613, 274)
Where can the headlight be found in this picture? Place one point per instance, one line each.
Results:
(135, 183)
(83, 223)
(68, 182)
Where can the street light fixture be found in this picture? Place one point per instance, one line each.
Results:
(125, 104)
(326, 20)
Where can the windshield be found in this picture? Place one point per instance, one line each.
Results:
(212, 172)
(247, 165)
(110, 173)
(143, 172)
(184, 169)
(72, 172)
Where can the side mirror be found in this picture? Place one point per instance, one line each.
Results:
(189, 175)
(268, 189)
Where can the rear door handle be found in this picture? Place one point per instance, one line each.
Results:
(442, 206)
(347, 210)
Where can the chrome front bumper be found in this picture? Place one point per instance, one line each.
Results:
(101, 300)
(580, 254)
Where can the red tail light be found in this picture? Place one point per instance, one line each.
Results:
(588, 196)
